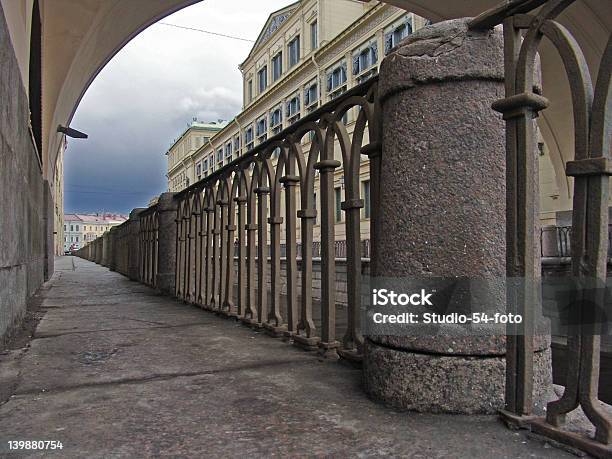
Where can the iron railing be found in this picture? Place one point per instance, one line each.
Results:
(526, 23)
(254, 200)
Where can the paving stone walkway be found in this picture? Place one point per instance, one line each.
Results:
(115, 370)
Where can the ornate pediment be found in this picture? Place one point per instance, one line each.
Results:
(273, 23)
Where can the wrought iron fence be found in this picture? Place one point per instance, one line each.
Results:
(254, 200)
(526, 23)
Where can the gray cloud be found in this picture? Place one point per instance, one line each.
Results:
(146, 96)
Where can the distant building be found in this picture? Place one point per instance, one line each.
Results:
(181, 167)
(81, 229)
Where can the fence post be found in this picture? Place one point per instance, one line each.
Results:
(442, 215)
(166, 260)
(134, 245)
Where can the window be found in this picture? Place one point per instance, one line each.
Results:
(311, 94)
(293, 109)
(336, 80)
(366, 198)
(220, 155)
(211, 163)
(237, 144)
(77, 227)
(262, 128)
(199, 170)
(262, 79)
(250, 90)
(248, 138)
(365, 58)
(71, 227)
(394, 36)
(64, 227)
(77, 239)
(314, 35)
(276, 120)
(338, 195)
(294, 51)
(277, 66)
(205, 167)
(228, 150)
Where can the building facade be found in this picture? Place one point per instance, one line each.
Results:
(306, 55)
(81, 229)
(181, 168)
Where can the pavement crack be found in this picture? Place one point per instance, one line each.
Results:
(106, 330)
(155, 377)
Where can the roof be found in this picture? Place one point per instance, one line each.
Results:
(211, 126)
(274, 22)
(96, 218)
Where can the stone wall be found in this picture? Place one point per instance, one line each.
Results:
(22, 228)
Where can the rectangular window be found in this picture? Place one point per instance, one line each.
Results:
(237, 143)
(77, 239)
(276, 117)
(314, 35)
(262, 79)
(220, 155)
(277, 66)
(71, 227)
(64, 227)
(293, 109)
(262, 127)
(228, 150)
(293, 49)
(248, 138)
(394, 36)
(365, 58)
(211, 162)
(336, 80)
(366, 199)
(205, 166)
(199, 170)
(338, 195)
(311, 94)
(250, 90)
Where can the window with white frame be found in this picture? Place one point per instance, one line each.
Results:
(277, 66)
(199, 170)
(311, 94)
(365, 58)
(237, 144)
(293, 109)
(336, 80)
(220, 157)
(276, 120)
(262, 79)
(293, 49)
(250, 90)
(248, 138)
(211, 163)
(261, 129)
(205, 167)
(314, 35)
(228, 150)
(366, 198)
(397, 33)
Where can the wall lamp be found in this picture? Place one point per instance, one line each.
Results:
(71, 132)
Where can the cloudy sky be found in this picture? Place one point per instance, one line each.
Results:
(146, 96)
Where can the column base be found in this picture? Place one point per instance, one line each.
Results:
(436, 383)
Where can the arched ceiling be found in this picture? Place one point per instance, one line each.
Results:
(81, 36)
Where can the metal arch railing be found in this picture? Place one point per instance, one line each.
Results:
(242, 202)
(525, 26)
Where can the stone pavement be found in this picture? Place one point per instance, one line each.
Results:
(115, 370)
